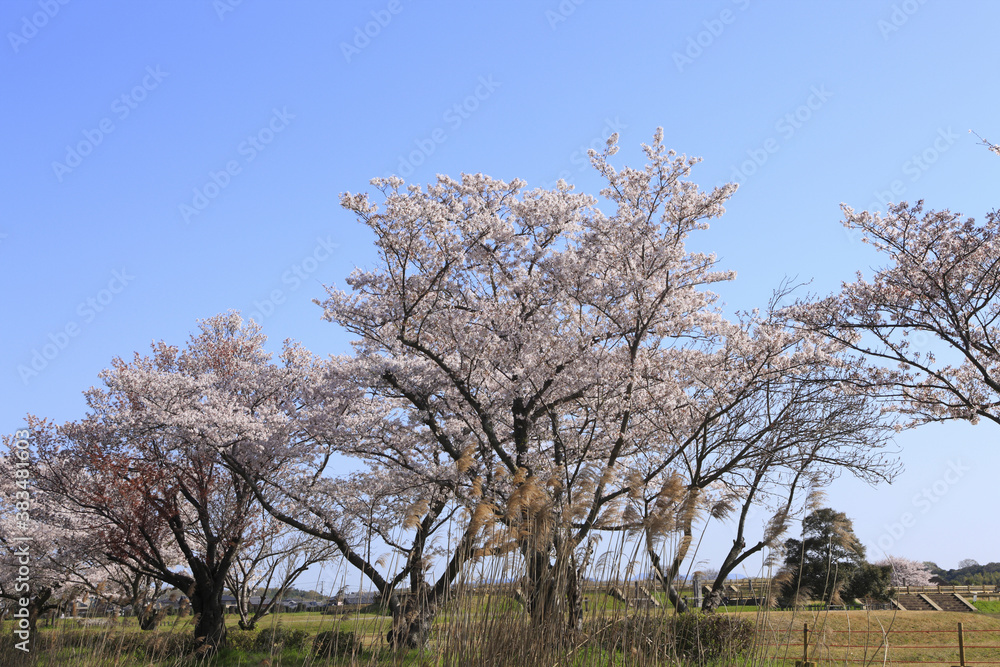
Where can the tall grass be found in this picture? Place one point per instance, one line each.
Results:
(488, 625)
(489, 628)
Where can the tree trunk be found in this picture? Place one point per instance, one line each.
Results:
(666, 580)
(667, 577)
(539, 593)
(574, 596)
(553, 592)
(735, 556)
(411, 621)
(210, 627)
(713, 600)
(29, 640)
(25, 630)
(149, 618)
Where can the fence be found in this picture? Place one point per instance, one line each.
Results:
(734, 589)
(949, 588)
(816, 648)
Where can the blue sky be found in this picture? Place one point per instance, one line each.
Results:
(169, 161)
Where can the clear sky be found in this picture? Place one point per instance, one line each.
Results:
(164, 162)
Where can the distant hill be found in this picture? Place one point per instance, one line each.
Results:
(974, 575)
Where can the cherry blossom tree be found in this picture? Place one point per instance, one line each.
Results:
(519, 325)
(939, 290)
(46, 555)
(143, 471)
(791, 430)
(399, 502)
(906, 572)
(761, 424)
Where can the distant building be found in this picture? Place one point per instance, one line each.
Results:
(360, 598)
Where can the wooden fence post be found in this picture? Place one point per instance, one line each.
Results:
(961, 646)
(805, 662)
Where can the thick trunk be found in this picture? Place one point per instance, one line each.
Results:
(210, 628)
(412, 619)
(149, 618)
(713, 600)
(574, 597)
(553, 592)
(25, 629)
(26, 642)
(539, 593)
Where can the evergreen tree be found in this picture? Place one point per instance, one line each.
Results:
(824, 561)
(871, 582)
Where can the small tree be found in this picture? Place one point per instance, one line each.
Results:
(906, 572)
(824, 561)
(272, 558)
(137, 591)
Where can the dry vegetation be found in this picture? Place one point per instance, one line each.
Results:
(493, 630)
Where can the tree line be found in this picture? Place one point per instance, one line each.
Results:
(968, 573)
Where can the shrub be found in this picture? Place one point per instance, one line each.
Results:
(711, 636)
(692, 636)
(240, 640)
(334, 642)
(278, 638)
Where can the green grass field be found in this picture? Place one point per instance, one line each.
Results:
(988, 606)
